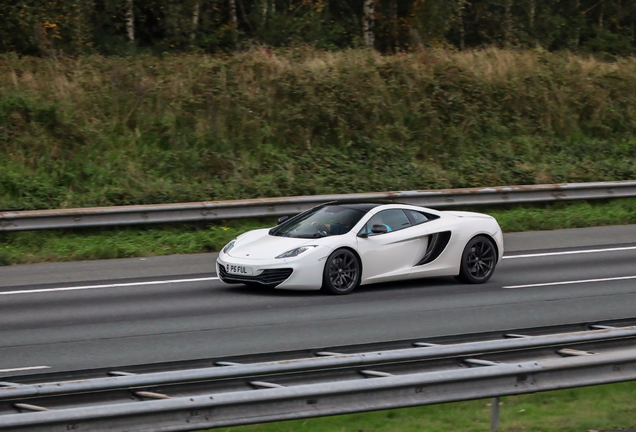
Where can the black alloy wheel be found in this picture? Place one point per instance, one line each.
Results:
(342, 272)
(478, 260)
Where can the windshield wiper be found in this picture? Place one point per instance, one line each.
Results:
(309, 236)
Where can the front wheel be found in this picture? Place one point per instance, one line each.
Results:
(478, 260)
(342, 272)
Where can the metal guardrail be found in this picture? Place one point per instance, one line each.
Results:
(314, 400)
(335, 384)
(265, 207)
(307, 364)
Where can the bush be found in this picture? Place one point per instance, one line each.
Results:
(99, 131)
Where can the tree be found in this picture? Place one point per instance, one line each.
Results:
(233, 20)
(130, 21)
(196, 11)
(368, 23)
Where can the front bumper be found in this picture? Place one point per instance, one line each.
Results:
(301, 273)
(498, 236)
(268, 277)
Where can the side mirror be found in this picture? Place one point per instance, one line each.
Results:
(282, 219)
(379, 229)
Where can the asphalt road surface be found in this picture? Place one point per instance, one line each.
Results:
(72, 316)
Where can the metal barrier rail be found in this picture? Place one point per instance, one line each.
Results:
(265, 207)
(315, 400)
(335, 384)
(9, 392)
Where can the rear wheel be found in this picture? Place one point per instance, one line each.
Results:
(342, 272)
(478, 260)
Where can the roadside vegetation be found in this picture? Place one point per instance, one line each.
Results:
(152, 240)
(126, 27)
(101, 131)
(592, 409)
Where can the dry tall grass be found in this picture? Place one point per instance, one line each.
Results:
(100, 131)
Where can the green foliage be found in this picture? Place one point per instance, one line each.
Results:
(110, 243)
(51, 27)
(608, 42)
(5, 257)
(46, 27)
(98, 131)
(564, 215)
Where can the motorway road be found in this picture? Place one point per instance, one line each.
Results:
(71, 316)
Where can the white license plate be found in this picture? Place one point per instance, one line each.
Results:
(238, 270)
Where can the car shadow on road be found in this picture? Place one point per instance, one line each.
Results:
(241, 289)
(428, 283)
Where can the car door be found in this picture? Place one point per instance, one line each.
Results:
(390, 255)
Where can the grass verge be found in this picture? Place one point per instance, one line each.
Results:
(606, 407)
(102, 131)
(142, 241)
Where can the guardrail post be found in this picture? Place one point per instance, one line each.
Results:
(494, 414)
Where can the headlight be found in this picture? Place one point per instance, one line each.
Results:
(228, 247)
(295, 252)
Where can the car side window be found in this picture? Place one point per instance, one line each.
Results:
(416, 217)
(393, 220)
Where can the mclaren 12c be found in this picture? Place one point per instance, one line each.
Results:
(338, 246)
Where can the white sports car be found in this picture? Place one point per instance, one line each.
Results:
(338, 246)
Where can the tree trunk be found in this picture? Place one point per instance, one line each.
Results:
(395, 26)
(416, 39)
(195, 19)
(633, 24)
(532, 13)
(462, 30)
(233, 20)
(508, 23)
(531, 16)
(245, 16)
(577, 28)
(130, 21)
(368, 22)
(264, 10)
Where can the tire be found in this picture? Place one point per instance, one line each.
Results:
(478, 260)
(342, 272)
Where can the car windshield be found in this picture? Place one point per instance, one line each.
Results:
(322, 222)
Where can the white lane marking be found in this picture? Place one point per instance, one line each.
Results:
(570, 282)
(571, 252)
(119, 285)
(25, 368)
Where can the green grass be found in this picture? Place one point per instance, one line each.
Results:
(101, 131)
(563, 215)
(149, 240)
(606, 407)
(125, 242)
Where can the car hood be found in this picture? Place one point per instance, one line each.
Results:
(260, 245)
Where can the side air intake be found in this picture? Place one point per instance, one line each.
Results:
(436, 244)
